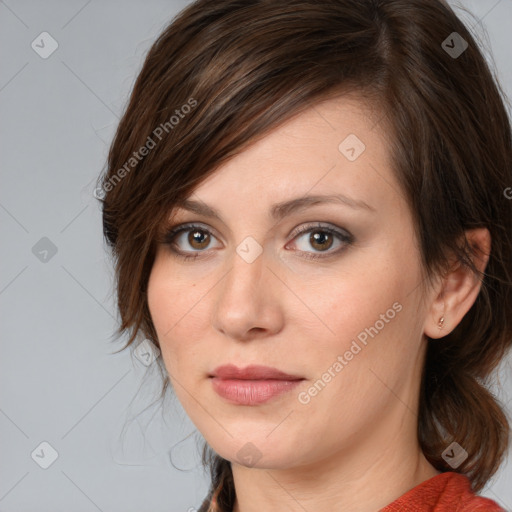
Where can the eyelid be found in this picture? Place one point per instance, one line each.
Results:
(343, 235)
(330, 228)
(302, 228)
(172, 232)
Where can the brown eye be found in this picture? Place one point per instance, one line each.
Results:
(188, 241)
(198, 239)
(321, 240)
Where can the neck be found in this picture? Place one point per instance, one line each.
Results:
(364, 476)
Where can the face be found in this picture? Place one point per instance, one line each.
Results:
(326, 291)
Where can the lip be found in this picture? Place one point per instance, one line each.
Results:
(252, 372)
(251, 385)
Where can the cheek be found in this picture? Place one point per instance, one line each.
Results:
(165, 312)
(366, 316)
(377, 350)
(176, 307)
(352, 372)
(363, 327)
(354, 300)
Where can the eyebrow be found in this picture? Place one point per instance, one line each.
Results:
(280, 210)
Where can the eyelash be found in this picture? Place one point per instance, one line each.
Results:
(344, 236)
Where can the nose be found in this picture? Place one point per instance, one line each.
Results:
(248, 300)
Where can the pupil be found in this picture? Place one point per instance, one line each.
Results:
(319, 238)
(196, 238)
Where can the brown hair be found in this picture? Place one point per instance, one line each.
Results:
(245, 66)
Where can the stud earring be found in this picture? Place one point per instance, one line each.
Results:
(441, 322)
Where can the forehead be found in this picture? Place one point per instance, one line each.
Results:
(334, 147)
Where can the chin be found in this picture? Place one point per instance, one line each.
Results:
(260, 454)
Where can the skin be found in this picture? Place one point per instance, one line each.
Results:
(353, 446)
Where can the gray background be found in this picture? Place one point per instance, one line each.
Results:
(60, 381)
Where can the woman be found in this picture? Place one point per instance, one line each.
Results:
(307, 206)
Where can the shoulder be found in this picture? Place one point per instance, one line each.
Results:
(446, 492)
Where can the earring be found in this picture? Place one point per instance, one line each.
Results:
(441, 322)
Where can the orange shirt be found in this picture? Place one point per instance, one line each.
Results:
(446, 492)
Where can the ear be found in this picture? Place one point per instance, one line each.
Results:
(458, 289)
